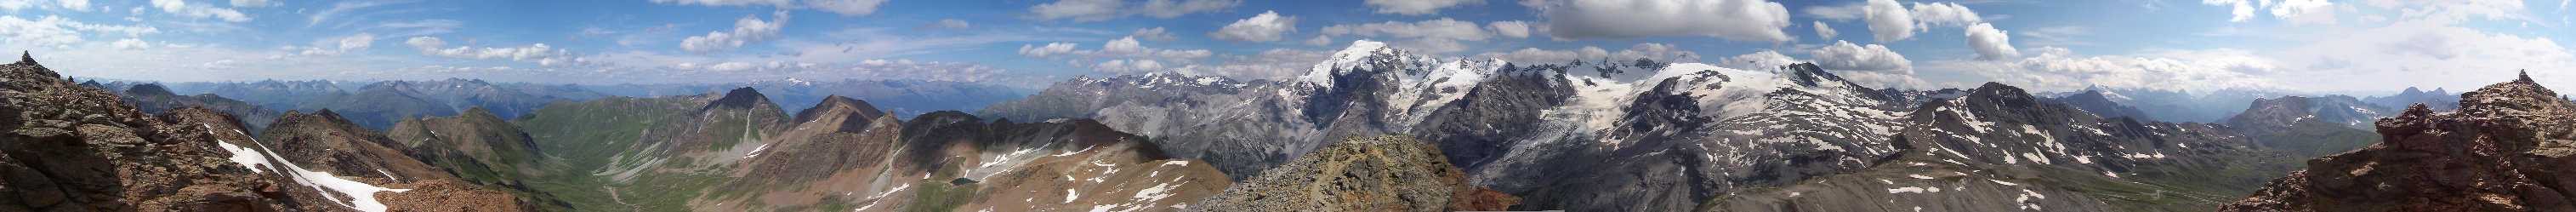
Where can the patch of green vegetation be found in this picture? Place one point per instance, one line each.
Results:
(932, 196)
(2312, 139)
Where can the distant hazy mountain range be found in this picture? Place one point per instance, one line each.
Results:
(378, 105)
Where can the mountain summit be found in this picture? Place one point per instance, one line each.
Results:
(2499, 152)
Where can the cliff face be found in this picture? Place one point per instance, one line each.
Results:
(2505, 149)
(69, 148)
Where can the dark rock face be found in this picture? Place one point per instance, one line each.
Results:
(72, 148)
(740, 98)
(2505, 149)
(1362, 174)
(2267, 116)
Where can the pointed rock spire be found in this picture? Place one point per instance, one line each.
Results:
(26, 58)
(2526, 76)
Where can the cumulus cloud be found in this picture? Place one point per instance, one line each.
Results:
(58, 31)
(2296, 11)
(749, 29)
(1050, 49)
(1265, 27)
(1416, 7)
(1514, 29)
(537, 53)
(247, 3)
(1101, 10)
(1991, 43)
(1888, 21)
(1843, 55)
(1740, 20)
(1153, 34)
(184, 9)
(1320, 40)
(1824, 31)
(1436, 36)
(2058, 70)
(1653, 51)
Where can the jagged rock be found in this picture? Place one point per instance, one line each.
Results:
(2505, 149)
(1390, 173)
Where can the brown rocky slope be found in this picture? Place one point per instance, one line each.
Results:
(1390, 173)
(2506, 149)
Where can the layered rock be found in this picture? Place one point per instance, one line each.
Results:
(1391, 173)
(2000, 149)
(2503, 150)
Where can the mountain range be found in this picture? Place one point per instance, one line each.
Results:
(1370, 128)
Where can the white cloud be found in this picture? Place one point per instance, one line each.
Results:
(749, 29)
(337, 45)
(846, 7)
(1889, 21)
(1320, 40)
(1944, 14)
(1050, 49)
(2295, 11)
(1844, 12)
(131, 44)
(953, 24)
(1762, 60)
(2056, 69)
(1128, 66)
(250, 3)
(538, 53)
(1825, 32)
(1843, 55)
(1740, 20)
(1654, 51)
(1265, 27)
(1416, 7)
(74, 5)
(1153, 34)
(1101, 10)
(1514, 29)
(1991, 43)
(58, 31)
(184, 9)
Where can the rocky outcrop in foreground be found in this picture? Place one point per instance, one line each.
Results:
(1391, 173)
(2506, 149)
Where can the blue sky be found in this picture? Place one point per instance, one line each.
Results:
(2299, 45)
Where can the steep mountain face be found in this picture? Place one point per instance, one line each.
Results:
(477, 146)
(1243, 127)
(2503, 150)
(904, 98)
(2439, 100)
(71, 148)
(1577, 137)
(1391, 173)
(326, 142)
(2309, 126)
(155, 99)
(1999, 143)
(2279, 114)
(2102, 103)
(736, 152)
